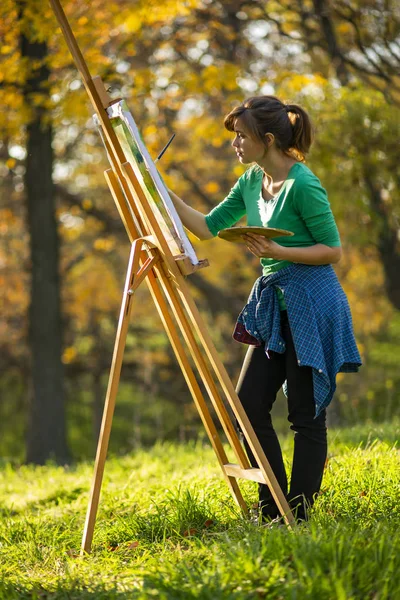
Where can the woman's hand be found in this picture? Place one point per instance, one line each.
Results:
(318, 254)
(263, 247)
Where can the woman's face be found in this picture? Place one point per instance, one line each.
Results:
(247, 149)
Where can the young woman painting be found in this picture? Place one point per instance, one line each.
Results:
(297, 320)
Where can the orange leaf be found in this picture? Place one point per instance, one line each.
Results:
(133, 545)
(189, 532)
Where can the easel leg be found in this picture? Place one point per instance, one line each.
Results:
(194, 388)
(180, 293)
(109, 406)
(198, 357)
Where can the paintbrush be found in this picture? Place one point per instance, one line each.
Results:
(164, 149)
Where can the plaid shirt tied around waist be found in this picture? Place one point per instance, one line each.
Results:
(319, 318)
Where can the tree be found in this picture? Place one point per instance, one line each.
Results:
(47, 428)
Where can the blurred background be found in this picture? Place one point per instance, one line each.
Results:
(63, 249)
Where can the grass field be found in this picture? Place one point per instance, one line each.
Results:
(168, 529)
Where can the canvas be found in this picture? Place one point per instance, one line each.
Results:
(150, 180)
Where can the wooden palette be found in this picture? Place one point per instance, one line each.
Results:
(234, 234)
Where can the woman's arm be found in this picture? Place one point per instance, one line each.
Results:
(319, 254)
(192, 219)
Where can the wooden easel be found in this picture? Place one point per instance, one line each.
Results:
(152, 261)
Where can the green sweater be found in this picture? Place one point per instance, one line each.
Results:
(301, 206)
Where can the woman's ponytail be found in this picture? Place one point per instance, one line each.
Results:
(302, 128)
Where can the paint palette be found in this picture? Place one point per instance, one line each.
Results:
(234, 234)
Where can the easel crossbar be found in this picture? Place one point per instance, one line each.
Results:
(251, 474)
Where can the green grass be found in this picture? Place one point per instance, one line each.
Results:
(167, 528)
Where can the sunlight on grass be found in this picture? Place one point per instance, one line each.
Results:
(168, 528)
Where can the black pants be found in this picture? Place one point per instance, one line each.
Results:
(260, 380)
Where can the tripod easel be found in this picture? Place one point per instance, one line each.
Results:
(152, 261)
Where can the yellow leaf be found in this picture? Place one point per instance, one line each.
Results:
(87, 204)
(133, 23)
(150, 130)
(69, 355)
(10, 163)
(103, 244)
(212, 187)
(238, 170)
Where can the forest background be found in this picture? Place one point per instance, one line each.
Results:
(63, 249)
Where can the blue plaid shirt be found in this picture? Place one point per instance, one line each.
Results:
(320, 322)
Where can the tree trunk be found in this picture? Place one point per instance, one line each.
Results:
(46, 425)
(388, 242)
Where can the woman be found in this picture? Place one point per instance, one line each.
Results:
(297, 320)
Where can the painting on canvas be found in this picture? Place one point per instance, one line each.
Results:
(150, 180)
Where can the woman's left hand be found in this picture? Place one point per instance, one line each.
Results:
(263, 247)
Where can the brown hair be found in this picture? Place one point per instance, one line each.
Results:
(289, 123)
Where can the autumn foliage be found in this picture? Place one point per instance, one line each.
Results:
(182, 66)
